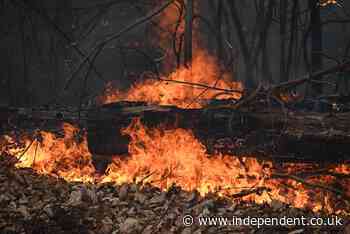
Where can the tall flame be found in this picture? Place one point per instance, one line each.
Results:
(204, 71)
(167, 157)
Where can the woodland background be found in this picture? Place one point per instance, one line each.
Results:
(42, 42)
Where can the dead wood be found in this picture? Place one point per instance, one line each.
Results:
(312, 185)
(272, 134)
(285, 86)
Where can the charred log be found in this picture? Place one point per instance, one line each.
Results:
(272, 134)
(289, 136)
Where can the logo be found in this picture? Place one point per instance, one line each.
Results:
(187, 220)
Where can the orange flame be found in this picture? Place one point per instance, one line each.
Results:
(204, 71)
(176, 156)
(165, 157)
(169, 21)
(58, 156)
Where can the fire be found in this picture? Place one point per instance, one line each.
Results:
(163, 157)
(204, 71)
(64, 157)
(324, 3)
(169, 21)
(166, 157)
(177, 157)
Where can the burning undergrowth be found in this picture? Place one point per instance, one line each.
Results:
(164, 158)
(35, 203)
(66, 156)
(176, 89)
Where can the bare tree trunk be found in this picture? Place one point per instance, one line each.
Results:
(188, 33)
(64, 19)
(25, 96)
(316, 43)
(293, 37)
(283, 26)
(218, 23)
(237, 25)
(266, 71)
(262, 42)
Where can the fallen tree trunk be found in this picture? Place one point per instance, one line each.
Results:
(290, 136)
(272, 134)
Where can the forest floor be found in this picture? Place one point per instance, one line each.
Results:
(37, 204)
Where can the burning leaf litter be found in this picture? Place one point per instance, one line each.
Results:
(164, 158)
(33, 203)
(167, 175)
